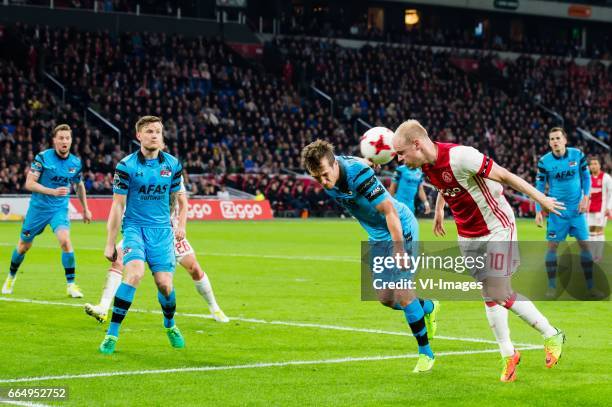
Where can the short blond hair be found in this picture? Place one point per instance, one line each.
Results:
(314, 152)
(144, 120)
(410, 130)
(61, 127)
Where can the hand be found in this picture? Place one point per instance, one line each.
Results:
(110, 252)
(87, 218)
(61, 191)
(584, 204)
(438, 227)
(539, 219)
(551, 205)
(179, 233)
(427, 208)
(609, 213)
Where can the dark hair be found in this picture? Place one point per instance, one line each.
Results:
(561, 129)
(144, 120)
(314, 152)
(594, 158)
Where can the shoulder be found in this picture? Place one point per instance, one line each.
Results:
(170, 159)
(575, 152)
(546, 157)
(354, 166)
(75, 159)
(44, 154)
(128, 160)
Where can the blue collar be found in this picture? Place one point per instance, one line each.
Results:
(143, 160)
(563, 156)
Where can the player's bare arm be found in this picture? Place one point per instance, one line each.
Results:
(503, 176)
(392, 188)
(113, 225)
(393, 223)
(438, 227)
(33, 185)
(180, 231)
(423, 198)
(81, 193)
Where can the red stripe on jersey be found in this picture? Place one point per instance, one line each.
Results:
(596, 193)
(493, 204)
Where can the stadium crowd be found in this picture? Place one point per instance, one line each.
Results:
(226, 116)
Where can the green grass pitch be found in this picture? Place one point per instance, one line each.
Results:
(289, 285)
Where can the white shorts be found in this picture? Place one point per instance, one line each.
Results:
(597, 219)
(181, 249)
(500, 250)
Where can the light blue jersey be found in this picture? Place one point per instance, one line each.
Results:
(55, 172)
(408, 181)
(568, 180)
(359, 192)
(148, 185)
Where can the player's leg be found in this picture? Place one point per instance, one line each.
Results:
(113, 279)
(68, 262)
(580, 231)
(33, 224)
(596, 235)
(159, 244)
(134, 258)
(203, 285)
(557, 229)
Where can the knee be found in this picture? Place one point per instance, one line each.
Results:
(66, 245)
(23, 247)
(133, 277)
(196, 271)
(388, 303)
(165, 287)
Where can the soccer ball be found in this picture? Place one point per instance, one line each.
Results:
(376, 145)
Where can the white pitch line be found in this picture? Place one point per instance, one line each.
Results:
(345, 259)
(263, 321)
(246, 366)
(22, 403)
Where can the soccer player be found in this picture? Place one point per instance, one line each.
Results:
(49, 179)
(144, 184)
(471, 184)
(353, 185)
(185, 256)
(600, 208)
(566, 172)
(405, 185)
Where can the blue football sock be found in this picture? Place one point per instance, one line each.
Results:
(123, 301)
(16, 260)
(168, 305)
(427, 306)
(586, 261)
(69, 264)
(415, 317)
(551, 268)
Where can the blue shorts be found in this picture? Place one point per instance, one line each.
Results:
(153, 245)
(37, 219)
(557, 228)
(381, 249)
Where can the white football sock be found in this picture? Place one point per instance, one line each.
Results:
(205, 289)
(598, 245)
(113, 281)
(498, 321)
(528, 312)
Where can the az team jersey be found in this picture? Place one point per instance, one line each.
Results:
(477, 203)
(359, 191)
(568, 178)
(148, 185)
(601, 193)
(55, 172)
(408, 181)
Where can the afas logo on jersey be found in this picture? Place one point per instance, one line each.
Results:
(152, 189)
(61, 180)
(565, 174)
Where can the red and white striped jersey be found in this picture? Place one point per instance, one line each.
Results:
(477, 203)
(601, 193)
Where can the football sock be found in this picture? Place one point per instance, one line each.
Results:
(597, 246)
(551, 268)
(528, 312)
(204, 288)
(69, 264)
(427, 306)
(113, 279)
(16, 260)
(168, 305)
(123, 301)
(498, 321)
(586, 261)
(415, 317)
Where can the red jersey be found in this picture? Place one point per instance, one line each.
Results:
(601, 191)
(478, 204)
